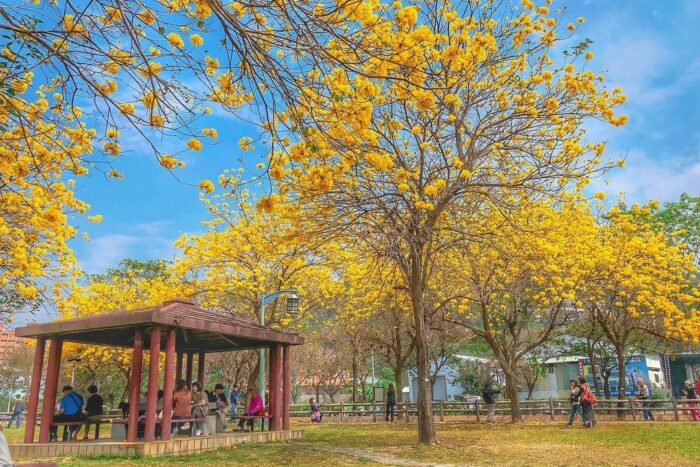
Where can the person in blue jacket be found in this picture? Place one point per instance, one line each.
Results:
(70, 410)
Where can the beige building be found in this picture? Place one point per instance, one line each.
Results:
(8, 343)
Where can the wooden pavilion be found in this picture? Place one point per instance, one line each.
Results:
(181, 330)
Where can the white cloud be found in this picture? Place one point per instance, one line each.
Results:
(106, 251)
(647, 177)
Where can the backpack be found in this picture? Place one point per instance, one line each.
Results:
(588, 395)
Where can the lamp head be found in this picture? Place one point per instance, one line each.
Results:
(292, 304)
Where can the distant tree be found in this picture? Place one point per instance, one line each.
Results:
(680, 221)
(471, 376)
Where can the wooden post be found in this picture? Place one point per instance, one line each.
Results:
(675, 409)
(135, 392)
(33, 399)
(341, 411)
(53, 370)
(152, 397)
(634, 413)
(188, 369)
(168, 385)
(442, 411)
(178, 366)
(478, 415)
(286, 385)
(201, 360)
(551, 409)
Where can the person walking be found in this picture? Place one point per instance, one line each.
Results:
(575, 398)
(200, 406)
(17, 409)
(233, 400)
(643, 396)
(689, 393)
(316, 415)
(390, 402)
(489, 396)
(587, 399)
(69, 410)
(94, 409)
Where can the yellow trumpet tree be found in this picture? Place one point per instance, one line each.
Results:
(475, 108)
(152, 68)
(520, 284)
(639, 283)
(132, 285)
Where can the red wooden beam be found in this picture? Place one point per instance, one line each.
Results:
(168, 384)
(189, 370)
(33, 399)
(152, 397)
(135, 392)
(286, 385)
(201, 360)
(53, 370)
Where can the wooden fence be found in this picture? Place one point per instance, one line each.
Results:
(552, 409)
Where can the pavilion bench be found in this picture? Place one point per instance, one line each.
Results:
(79, 423)
(190, 420)
(267, 417)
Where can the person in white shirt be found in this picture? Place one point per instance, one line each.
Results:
(644, 396)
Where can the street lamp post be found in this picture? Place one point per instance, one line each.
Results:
(74, 361)
(292, 308)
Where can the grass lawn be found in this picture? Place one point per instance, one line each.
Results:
(676, 444)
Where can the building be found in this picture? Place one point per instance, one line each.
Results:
(444, 388)
(555, 381)
(8, 343)
(683, 366)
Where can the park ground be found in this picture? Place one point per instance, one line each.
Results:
(638, 444)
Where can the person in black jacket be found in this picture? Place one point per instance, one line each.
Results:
(489, 396)
(94, 409)
(575, 398)
(390, 402)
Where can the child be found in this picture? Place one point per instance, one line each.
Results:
(316, 415)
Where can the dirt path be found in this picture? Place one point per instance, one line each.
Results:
(376, 457)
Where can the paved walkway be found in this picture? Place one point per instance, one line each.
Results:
(376, 457)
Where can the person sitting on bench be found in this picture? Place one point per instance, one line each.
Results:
(70, 410)
(94, 409)
(255, 407)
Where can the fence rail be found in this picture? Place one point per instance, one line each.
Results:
(664, 409)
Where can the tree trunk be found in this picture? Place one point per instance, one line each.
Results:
(253, 378)
(594, 371)
(606, 385)
(354, 377)
(426, 428)
(620, 351)
(530, 389)
(512, 392)
(397, 382)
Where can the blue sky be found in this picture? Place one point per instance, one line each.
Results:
(650, 48)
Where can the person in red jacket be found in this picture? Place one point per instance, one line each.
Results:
(587, 399)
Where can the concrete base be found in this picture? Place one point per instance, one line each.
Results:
(177, 446)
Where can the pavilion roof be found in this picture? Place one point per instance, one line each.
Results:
(198, 330)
